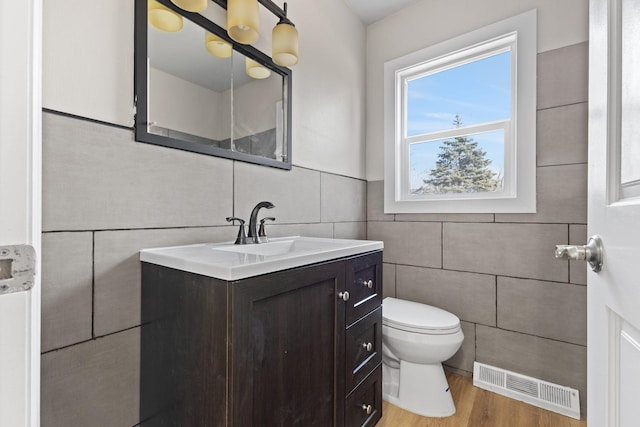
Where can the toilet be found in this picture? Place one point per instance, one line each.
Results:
(416, 339)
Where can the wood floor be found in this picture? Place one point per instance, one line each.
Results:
(478, 408)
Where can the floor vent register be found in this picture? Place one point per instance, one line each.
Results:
(543, 394)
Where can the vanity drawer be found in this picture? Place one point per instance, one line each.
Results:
(364, 283)
(363, 348)
(364, 405)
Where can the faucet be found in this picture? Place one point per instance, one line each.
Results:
(253, 221)
(242, 238)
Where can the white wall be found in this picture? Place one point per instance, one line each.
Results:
(255, 117)
(328, 88)
(186, 107)
(427, 22)
(88, 71)
(88, 59)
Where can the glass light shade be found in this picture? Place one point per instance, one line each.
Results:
(256, 70)
(216, 46)
(163, 18)
(243, 20)
(284, 45)
(191, 5)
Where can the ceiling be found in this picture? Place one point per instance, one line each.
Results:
(373, 10)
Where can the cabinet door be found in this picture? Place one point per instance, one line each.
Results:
(364, 283)
(364, 404)
(363, 348)
(284, 366)
(183, 349)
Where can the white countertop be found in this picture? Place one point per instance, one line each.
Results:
(227, 261)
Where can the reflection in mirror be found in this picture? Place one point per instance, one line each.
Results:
(203, 96)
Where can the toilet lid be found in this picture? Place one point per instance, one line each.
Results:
(416, 317)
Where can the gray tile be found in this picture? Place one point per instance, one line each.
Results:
(67, 270)
(350, 230)
(516, 250)
(295, 193)
(545, 309)
(117, 269)
(342, 199)
(470, 296)
(558, 362)
(562, 135)
(563, 76)
(465, 357)
(445, 217)
(578, 269)
(375, 202)
(410, 243)
(388, 280)
(93, 383)
(324, 230)
(562, 196)
(97, 177)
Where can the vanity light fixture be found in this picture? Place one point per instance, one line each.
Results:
(191, 5)
(243, 20)
(243, 26)
(216, 46)
(256, 70)
(284, 42)
(163, 18)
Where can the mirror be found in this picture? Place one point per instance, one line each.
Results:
(189, 99)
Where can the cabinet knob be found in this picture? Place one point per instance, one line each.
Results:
(367, 408)
(368, 283)
(367, 346)
(344, 295)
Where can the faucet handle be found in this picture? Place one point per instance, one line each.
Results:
(261, 232)
(241, 239)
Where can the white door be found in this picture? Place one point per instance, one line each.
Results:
(20, 113)
(614, 213)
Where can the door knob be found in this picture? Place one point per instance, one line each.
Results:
(344, 295)
(592, 252)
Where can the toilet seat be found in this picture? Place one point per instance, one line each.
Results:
(418, 318)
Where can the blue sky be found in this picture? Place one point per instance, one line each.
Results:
(478, 92)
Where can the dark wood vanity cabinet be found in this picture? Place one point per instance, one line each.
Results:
(301, 347)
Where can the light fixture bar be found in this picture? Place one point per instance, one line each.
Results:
(273, 8)
(268, 4)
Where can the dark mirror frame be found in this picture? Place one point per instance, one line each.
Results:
(141, 89)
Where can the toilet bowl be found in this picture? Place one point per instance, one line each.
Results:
(416, 339)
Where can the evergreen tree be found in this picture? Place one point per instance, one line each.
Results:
(461, 168)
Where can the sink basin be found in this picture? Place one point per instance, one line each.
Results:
(292, 246)
(227, 261)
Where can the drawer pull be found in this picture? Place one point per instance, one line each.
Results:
(368, 283)
(367, 346)
(344, 295)
(367, 408)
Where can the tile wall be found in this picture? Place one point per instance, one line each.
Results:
(521, 309)
(105, 197)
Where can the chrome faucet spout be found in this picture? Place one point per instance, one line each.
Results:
(253, 221)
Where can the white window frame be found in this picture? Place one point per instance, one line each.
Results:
(517, 35)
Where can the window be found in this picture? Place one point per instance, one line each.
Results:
(460, 123)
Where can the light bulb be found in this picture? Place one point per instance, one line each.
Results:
(217, 46)
(191, 5)
(243, 20)
(256, 70)
(163, 18)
